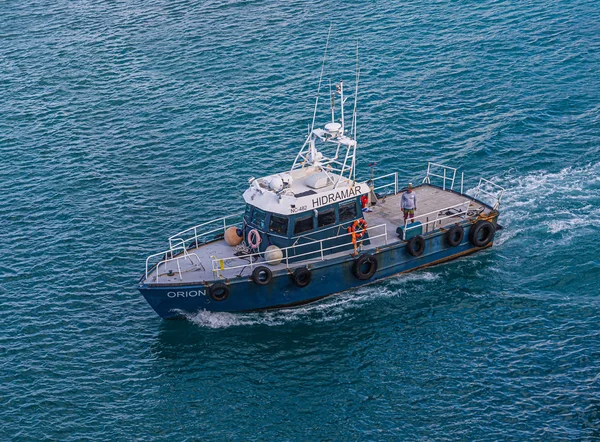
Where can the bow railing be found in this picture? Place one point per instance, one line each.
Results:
(198, 234)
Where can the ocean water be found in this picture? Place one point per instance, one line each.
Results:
(124, 122)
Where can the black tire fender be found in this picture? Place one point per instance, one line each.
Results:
(360, 262)
(262, 275)
(481, 233)
(416, 245)
(454, 235)
(219, 291)
(302, 277)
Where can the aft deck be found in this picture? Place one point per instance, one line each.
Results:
(437, 208)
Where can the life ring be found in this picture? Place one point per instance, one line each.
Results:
(416, 245)
(365, 267)
(302, 276)
(481, 233)
(262, 275)
(219, 291)
(454, 235)
(358, 224)
(254, 239)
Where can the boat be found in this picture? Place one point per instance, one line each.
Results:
(316, 230)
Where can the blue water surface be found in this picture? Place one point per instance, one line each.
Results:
(124, 122)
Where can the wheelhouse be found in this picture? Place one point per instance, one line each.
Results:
(328, 223)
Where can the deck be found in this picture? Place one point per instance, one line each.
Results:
(196, 266)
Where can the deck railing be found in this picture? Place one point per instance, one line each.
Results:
(383, 186)
(447, 176)
(172, 255)
(447, 171)
(198, 233)
(220, 264)
(181, 242)
(462, 210)
(176, 259)
(491, 190)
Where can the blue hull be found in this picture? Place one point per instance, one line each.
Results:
(328, 277)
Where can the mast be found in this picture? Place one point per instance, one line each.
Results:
(341, 167)
(312, 126)
(342, 103)
(332, 103)
(353, 136)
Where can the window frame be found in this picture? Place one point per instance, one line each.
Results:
(283, 217)
(304, 218)
(248, 212)
(347, 203)
(325, 212)
(253, 221)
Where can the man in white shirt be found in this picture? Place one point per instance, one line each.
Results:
(408, 203)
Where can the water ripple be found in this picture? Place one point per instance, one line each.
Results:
(122, 123)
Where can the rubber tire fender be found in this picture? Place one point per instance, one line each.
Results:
(219, 291)
(488, 231)
(454, 235)
(416, 245)
(256, 275)
(302, 277)
(363, 259)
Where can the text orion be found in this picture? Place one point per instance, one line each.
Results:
(186, 294)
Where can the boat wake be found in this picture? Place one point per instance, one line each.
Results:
(564, 204)
(333, 308)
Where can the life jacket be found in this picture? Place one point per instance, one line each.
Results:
(364, 200)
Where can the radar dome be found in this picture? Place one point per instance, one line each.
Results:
(276, 183)
(333, 128)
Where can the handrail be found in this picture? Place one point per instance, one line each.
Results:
(453, 170)
(195, 228)
(218, 264)
(307, 235)
(176, 259)
(498, 195)
(395, 183)
(196, 236)
(437, 218)
(163, 253)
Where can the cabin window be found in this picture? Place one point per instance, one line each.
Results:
(278, 224)
(347, 211)
(258, 218)
(326, 218)
(248, 212)
(304, 225)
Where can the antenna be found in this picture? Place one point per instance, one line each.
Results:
(312, 126)
(354, 116)
(340, 170)
(342, 104)
(332, 103)
(355, 95)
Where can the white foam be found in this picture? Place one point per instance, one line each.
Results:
(416, 276)
(558, 202)
(575, 222)
(333, 308)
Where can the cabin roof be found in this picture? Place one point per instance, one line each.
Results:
(301, 190)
